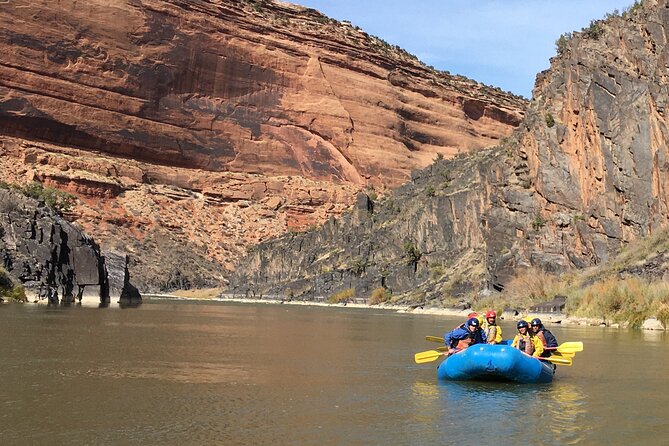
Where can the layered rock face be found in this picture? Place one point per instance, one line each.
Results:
(424, 241)
(600, 174)
(204, 127)
(585, 173)
(54, 259)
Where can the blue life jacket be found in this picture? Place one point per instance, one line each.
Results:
(451, 338)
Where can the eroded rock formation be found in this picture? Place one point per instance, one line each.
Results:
(55, 260)
(194, 129)
(586, 173)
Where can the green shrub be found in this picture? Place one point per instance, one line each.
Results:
(357, 267)
(595, 30)
(636, 5)
(343, 296)
(54, 198)
(10, 289)
(550, 121)
(561, 43)
(412, 252)
(538, 222)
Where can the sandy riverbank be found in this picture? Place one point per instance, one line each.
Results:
(548, 319)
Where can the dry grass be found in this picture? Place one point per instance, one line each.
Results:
(379, 296)
(633, 254)
(527, 288)
(629, 301)
(341, 297)
(202, 293)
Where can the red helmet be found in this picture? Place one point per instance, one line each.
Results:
(490, 313)
(472, 314)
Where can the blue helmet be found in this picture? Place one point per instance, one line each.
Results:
(536, 322)
(473, 322)
(522, 324)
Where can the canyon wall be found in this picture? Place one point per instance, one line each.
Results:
(193, 129)
(585, 174)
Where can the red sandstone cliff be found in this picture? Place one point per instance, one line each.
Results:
(193, 129)
(584, 175)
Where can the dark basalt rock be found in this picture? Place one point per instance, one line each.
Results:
(53, 258)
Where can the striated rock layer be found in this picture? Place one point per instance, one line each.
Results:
(586, 173)
(206, 126)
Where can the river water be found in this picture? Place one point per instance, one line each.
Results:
(187, 373)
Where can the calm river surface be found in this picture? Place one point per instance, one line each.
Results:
(187, 373)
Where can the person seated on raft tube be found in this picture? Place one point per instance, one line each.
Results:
(492, 331)
(547, 338)
(526, 341)
(471, 315)
(464, 336)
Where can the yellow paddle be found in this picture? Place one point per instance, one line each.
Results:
(428, 356)
(556, 360)
(576, 346)
(434, 339)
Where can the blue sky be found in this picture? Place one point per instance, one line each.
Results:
(503, 43)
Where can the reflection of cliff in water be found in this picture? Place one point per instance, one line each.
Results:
(496, 412)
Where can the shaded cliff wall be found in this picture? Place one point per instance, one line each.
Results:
(584, 174)
(54, 259)
(425, 240)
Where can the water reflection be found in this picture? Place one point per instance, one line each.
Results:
(493, 410)
(566, 406)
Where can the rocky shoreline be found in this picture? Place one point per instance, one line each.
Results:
(548, 318)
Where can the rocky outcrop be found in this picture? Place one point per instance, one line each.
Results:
(585, 174)
(53, 259)
(251, 118)
(426, 241)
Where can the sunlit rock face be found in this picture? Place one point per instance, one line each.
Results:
(207, 126)
(586, 173)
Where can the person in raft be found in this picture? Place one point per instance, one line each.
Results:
(471, 315)
(526, 341)
(547, 338)
(492, 331)
(464, 336)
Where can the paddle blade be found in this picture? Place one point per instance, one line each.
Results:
(428, 356)
(556, 360)
(576, 346)
(560, 354)
(434, 339)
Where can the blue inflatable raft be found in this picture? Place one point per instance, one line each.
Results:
(495, 363)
